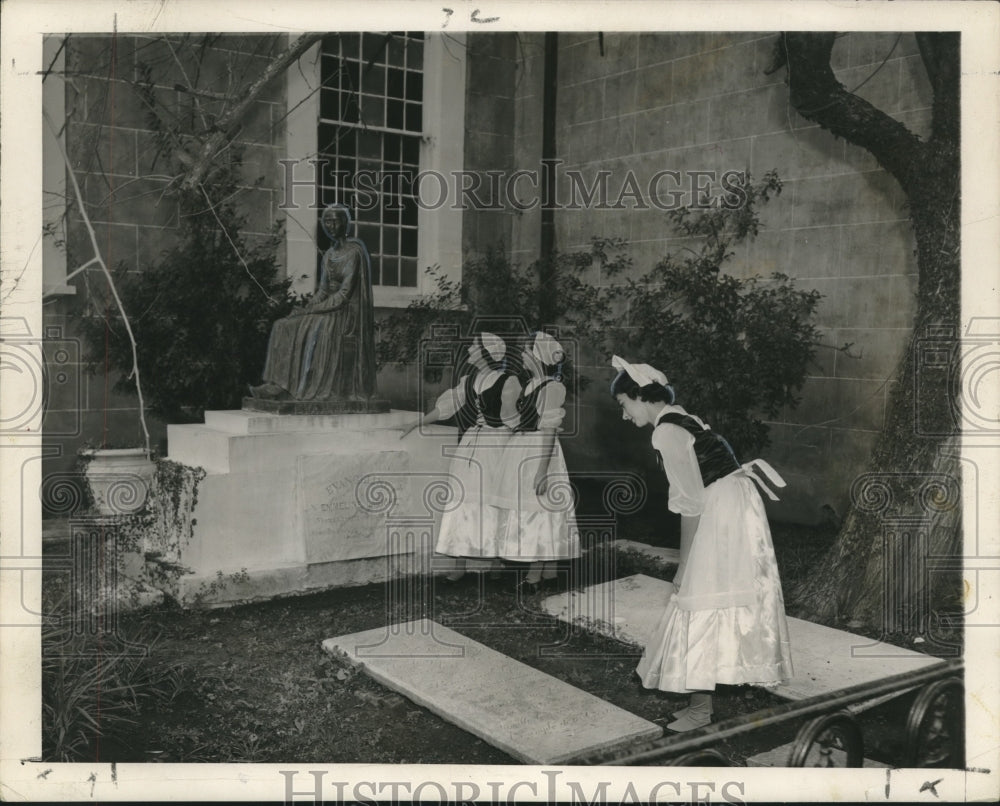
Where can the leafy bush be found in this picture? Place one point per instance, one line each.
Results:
(735, 350)
(512, 297)
(201, 315)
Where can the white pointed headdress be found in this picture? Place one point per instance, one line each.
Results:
(547, 350)
(642, 374)
(494, 346)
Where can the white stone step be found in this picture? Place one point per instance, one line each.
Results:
(248, 442)
(824, 659)
(197, 445)
(528, 714)
(256, 422)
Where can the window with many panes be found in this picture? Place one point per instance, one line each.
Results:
(370, 133)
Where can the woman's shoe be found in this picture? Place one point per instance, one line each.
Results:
(690, 721)
(699, 714)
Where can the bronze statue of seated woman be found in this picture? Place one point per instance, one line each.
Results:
(325, 349)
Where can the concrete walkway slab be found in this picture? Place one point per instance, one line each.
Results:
(528, 714)
(824, 659)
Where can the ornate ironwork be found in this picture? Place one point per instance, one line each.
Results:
(935, 727)
(827, 723)
(833, 740)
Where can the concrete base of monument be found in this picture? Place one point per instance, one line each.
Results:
(293, 503)
(360, 406)
(241, 586)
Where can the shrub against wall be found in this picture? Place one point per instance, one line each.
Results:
(201, 314)
(736, 350)
(512, 298)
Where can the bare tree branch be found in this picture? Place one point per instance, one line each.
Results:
(224, 126)
(111, 283)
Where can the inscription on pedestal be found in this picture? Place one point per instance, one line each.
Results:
(336, 526)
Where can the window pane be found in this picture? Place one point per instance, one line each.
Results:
(408, 273)
(347, 141)
(415, 54)
(410, 212)
(373, 80)
(373, 48)
(369, 145)
(390, 241)
(329, 104)
(395, 49)
(393, 147)
(414, 86)
(409, 241)
(394, 114)
(394, 86)
(390, 271)
(376, 270)
(374, 112)
(348, 45)
(349, 108)
(327, 138)
(414, 117)
(411, 151)
(369, 234)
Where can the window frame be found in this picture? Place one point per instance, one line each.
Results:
(439, 230)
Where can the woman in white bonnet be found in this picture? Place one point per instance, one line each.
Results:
(725, 619)
(540, 524)
(484, 406)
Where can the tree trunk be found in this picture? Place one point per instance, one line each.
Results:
(906, 509)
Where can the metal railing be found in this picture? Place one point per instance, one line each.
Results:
(934, 731)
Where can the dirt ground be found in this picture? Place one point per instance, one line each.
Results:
(251, 683)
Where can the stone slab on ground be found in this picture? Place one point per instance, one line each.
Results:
(528, 714)
(824, 659)
(778, 757)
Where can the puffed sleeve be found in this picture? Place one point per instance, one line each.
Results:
(451, 400)
(509, 394)
(676, 447)
(550, 405)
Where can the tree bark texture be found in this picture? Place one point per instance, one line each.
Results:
(905, 510)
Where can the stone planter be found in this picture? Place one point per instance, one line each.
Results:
(119, 479)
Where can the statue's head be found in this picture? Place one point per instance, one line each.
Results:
(336, 220)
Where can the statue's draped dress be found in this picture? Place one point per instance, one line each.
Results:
(329, 352)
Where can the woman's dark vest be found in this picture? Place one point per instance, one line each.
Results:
(527, 408)
(715, 458)
(488, 401)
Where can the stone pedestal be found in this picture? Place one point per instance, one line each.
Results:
(304, 502)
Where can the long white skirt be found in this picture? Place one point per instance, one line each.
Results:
(471, 527)
(694, 650)
(535, 528)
